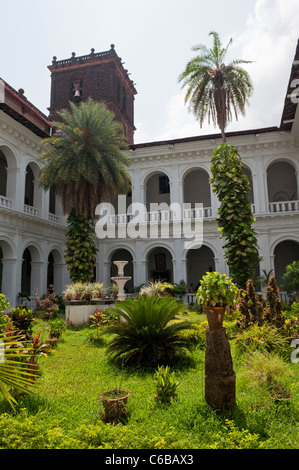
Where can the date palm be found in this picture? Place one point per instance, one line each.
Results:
(85, 164)
(215, 90)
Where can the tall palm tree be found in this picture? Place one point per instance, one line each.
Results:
(85, 164)
(215, 90)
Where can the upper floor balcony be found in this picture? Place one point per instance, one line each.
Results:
(20, 191)
(273, 193)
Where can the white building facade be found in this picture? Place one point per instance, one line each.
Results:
(176, 172)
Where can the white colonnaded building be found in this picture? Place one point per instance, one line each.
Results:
(33, 226)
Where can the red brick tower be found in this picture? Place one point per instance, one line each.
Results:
(98, 75)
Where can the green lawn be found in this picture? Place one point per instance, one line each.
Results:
(65, 410)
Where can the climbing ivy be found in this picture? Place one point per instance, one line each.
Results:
(235, 219)
(81, 250)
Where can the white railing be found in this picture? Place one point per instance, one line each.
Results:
(55, 218)
(5, 202)
(31, 210)
(28, 303)
(161, 216)
(283, 206)
(204, 212)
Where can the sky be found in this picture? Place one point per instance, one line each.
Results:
(154, 38)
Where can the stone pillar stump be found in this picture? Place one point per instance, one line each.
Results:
(220, 378)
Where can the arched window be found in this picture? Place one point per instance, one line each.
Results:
(3, 174)
(197, 188)
(29, 187)
(282, 182)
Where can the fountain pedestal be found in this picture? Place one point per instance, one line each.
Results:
(121, 279)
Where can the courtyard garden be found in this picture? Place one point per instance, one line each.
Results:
(166, 406)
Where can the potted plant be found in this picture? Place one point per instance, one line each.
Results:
(280, 394)
(113, 290)
(57, 327)
(74, 291)
(115, 405)
(97, 320)
(216, 293)
(88, 291)
(97, 290)
(68, 293)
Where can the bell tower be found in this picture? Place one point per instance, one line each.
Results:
(98, 75)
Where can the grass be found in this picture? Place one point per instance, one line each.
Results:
(65, 411)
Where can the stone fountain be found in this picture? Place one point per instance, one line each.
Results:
(121, 279)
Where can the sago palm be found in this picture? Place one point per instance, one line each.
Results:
(147, 333)
(215, 90)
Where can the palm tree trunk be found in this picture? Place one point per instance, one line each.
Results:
(223, 136)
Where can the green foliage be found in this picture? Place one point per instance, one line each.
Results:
(262, 338)
(235, 219)
(81, 249)
(85, 162)
(57, 327)
(158, 288)
(98, 319)
(216, 90)
(264, 369)
(291, 280)
(234, 438)
(179, 289)
(4, 305)
(250, 306)
(146, 333)
(14, 372)
(48, 304)
(64, 413)
(216, 290)
(197, 335)
(166, 385)
(22, 319)
(273, 312)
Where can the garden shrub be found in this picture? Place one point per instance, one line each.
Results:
(146, 333)
(264, 369)
(166, 385)
(262, 338)
(197, 335)
(273, 312)
(234, 438)
(22, 319)
(48, 304)
(4, 305)
(250, 306)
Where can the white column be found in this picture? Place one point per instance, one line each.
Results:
(38, 278)
(9, 288)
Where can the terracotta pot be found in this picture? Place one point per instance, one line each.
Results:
(115, 408)
(76, 297)
(215, 316)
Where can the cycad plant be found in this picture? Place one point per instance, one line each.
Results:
(85, 164)
(148, 332)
